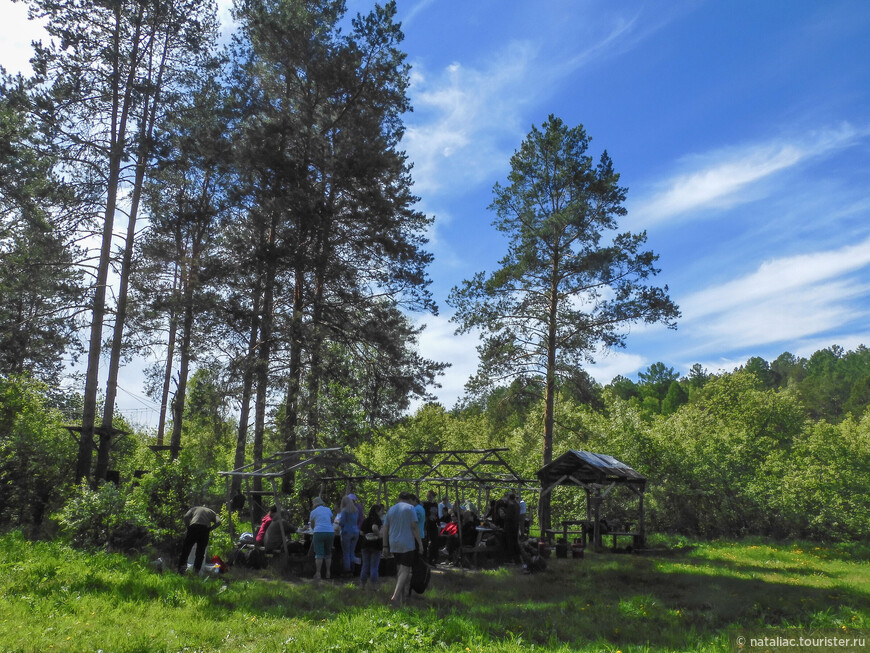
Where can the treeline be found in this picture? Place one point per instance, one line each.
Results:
(244, 210)
(780, 449)
(736, 458)
(831, 384)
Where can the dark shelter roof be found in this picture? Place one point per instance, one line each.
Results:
(583, 467)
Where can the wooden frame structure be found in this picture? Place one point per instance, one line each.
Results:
(336, 465)
(598, 475)
(483, 469)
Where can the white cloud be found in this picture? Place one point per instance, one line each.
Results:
(784, 300)
(615, 363)
(18, 33)
(439, 343)
(776, 278)
(461, 117)
(722, 178)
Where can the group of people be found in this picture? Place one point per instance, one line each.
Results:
(410, 527)
(395, 532)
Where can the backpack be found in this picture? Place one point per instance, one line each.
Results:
(256, 559)
(538, 564)
(449, 529)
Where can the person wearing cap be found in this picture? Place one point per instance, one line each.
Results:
(401, 538)
(323, 535)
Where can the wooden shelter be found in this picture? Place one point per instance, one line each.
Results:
(482, 469)
(332, 465)
(598, 475)
(455, 470)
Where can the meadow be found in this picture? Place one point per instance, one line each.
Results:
(684, 596)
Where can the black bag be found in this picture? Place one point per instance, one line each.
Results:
(538, 564)
(256, 559)
(421, 573)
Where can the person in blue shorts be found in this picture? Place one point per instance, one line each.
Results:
(323, 535)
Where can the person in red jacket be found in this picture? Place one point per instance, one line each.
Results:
(264, 525)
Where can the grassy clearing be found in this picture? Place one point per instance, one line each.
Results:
(686, 598)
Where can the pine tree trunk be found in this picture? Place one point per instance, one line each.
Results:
(550, 388)
(189, 282)
(262, 375)
(119, 116)
(148, 119)
(170, 355)
(247, 392)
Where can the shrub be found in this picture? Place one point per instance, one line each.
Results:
(37, 454)
(142, 512)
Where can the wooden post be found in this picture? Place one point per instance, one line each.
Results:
(250, 505)
(280, 513)
(458, 510)
(230, 528)
(642, 525)
(596, 528)
(588, 518)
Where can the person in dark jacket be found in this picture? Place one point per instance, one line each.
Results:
(200, 522)
(511, 527)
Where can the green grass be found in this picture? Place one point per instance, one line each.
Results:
(684, 598)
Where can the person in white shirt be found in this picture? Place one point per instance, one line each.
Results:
(444, 509)
(524, 518)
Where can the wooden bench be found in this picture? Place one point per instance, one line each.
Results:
(635, 537)
(585, 531)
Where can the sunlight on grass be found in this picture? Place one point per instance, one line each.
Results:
(55, 598)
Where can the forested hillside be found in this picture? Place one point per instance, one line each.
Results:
(737, 453)
(243, 216)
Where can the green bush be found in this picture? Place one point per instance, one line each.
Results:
(37, 455)
(143, 512)
(91, 517)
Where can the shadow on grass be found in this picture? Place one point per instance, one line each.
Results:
(632, 601)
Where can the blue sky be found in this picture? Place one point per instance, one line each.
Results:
(741, 129)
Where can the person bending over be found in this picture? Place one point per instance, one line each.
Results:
(200, 522)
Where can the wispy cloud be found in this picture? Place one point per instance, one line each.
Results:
(19, 32)
(462, 115)
(785, 299)
(470, 115)
(721, 179)
(418, 8)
